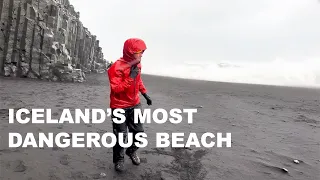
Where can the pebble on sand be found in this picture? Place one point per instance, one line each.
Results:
(296, 161)
(103, 174)
(19, 166)
(285, 170)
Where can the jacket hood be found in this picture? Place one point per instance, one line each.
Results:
(132, 46)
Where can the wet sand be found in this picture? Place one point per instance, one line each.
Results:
(271, 127)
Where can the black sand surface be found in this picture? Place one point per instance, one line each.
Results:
(271, 127)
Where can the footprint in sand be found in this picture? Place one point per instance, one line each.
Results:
(101, 165)
(79, 175)
(199, 154)
(18, 166)
(53, 176)
(186, 163)
(144, 160)
(65, 160)
(4, 111)
(57, 148)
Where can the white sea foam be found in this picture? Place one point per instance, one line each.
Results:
(278, 72)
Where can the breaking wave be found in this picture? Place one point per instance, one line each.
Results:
(278, 72)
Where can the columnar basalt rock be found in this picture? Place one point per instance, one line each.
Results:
(46, 39)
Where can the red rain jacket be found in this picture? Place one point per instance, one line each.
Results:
(124, 91)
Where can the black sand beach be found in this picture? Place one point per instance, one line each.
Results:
(271, 127)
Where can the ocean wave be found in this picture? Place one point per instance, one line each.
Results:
(278, 72)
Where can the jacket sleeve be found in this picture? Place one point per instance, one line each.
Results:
(117, 84)
(142, 88)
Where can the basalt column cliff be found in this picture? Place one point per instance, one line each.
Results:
(45, 39)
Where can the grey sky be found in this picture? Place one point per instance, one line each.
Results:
(207, 30)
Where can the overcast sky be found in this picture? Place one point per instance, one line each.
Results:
(207, 30)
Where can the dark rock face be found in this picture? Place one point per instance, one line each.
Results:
(45, 39)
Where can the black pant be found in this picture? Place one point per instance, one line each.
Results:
(134, 128)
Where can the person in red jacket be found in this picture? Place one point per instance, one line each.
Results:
(125, 85)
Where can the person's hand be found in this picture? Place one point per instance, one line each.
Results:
(134, 62)
(134, 71)
(149, 101)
